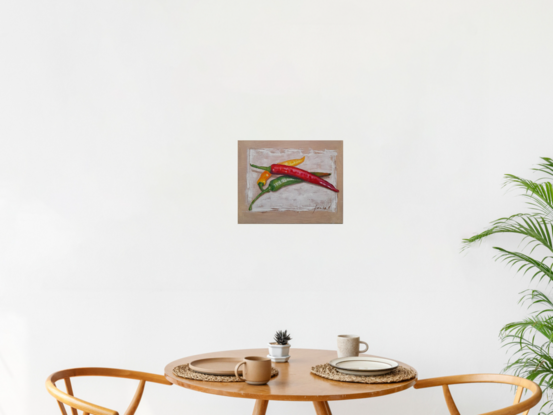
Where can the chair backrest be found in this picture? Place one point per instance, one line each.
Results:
(88, 408)
(517, 407)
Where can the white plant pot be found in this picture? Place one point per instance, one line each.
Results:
(277, 350)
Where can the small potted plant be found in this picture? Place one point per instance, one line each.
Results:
(280, 348)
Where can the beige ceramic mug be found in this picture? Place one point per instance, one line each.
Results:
(257, 370)
(348, 345)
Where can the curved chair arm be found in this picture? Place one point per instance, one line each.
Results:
(477, 378)
(518, 408)
(86, 407)
(90, 408)
(109, 372)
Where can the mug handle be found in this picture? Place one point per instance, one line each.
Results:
(243, 362)
(365, 343)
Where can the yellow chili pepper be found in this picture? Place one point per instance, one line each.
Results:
(265, 175)
(263, 179)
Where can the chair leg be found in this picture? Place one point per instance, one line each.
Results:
(322, 408)
(260, 407)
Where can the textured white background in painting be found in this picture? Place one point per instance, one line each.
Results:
(119, 244)
(297, 197)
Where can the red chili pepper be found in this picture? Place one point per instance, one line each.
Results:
(295, 172)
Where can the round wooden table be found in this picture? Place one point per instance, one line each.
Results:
(295, 382)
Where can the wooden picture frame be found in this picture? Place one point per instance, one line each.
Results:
(289, 216)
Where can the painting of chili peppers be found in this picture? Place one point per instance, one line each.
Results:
(290, 182)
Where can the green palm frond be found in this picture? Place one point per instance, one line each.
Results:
(535, 324)
(530, 340)
(538, 298)
(546, 167)
(532, 227)
(532, 362)
(540, 195)
(527, 263)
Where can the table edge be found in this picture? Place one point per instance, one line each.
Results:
(401, 386)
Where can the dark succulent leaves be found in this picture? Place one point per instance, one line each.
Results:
(282, 337)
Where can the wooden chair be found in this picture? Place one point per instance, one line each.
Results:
(517, 407)
(89, 408)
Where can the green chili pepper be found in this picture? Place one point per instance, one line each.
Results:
(282, 181)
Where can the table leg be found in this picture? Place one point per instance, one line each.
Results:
(260, 407)
(322, 408)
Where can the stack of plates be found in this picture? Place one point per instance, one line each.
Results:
(364, 365)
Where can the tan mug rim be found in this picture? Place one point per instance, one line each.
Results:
(256, 358)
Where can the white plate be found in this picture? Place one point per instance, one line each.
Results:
(364, 365)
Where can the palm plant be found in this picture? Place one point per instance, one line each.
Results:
(532, 338)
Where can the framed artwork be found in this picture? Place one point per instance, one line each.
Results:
(290, 182)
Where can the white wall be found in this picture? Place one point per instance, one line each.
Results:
(119, 243)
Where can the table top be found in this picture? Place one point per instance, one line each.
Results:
(295, 382)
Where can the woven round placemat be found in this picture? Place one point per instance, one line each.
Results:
(400, 374)
(184, 371)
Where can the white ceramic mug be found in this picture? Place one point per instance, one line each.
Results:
(348, 345)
